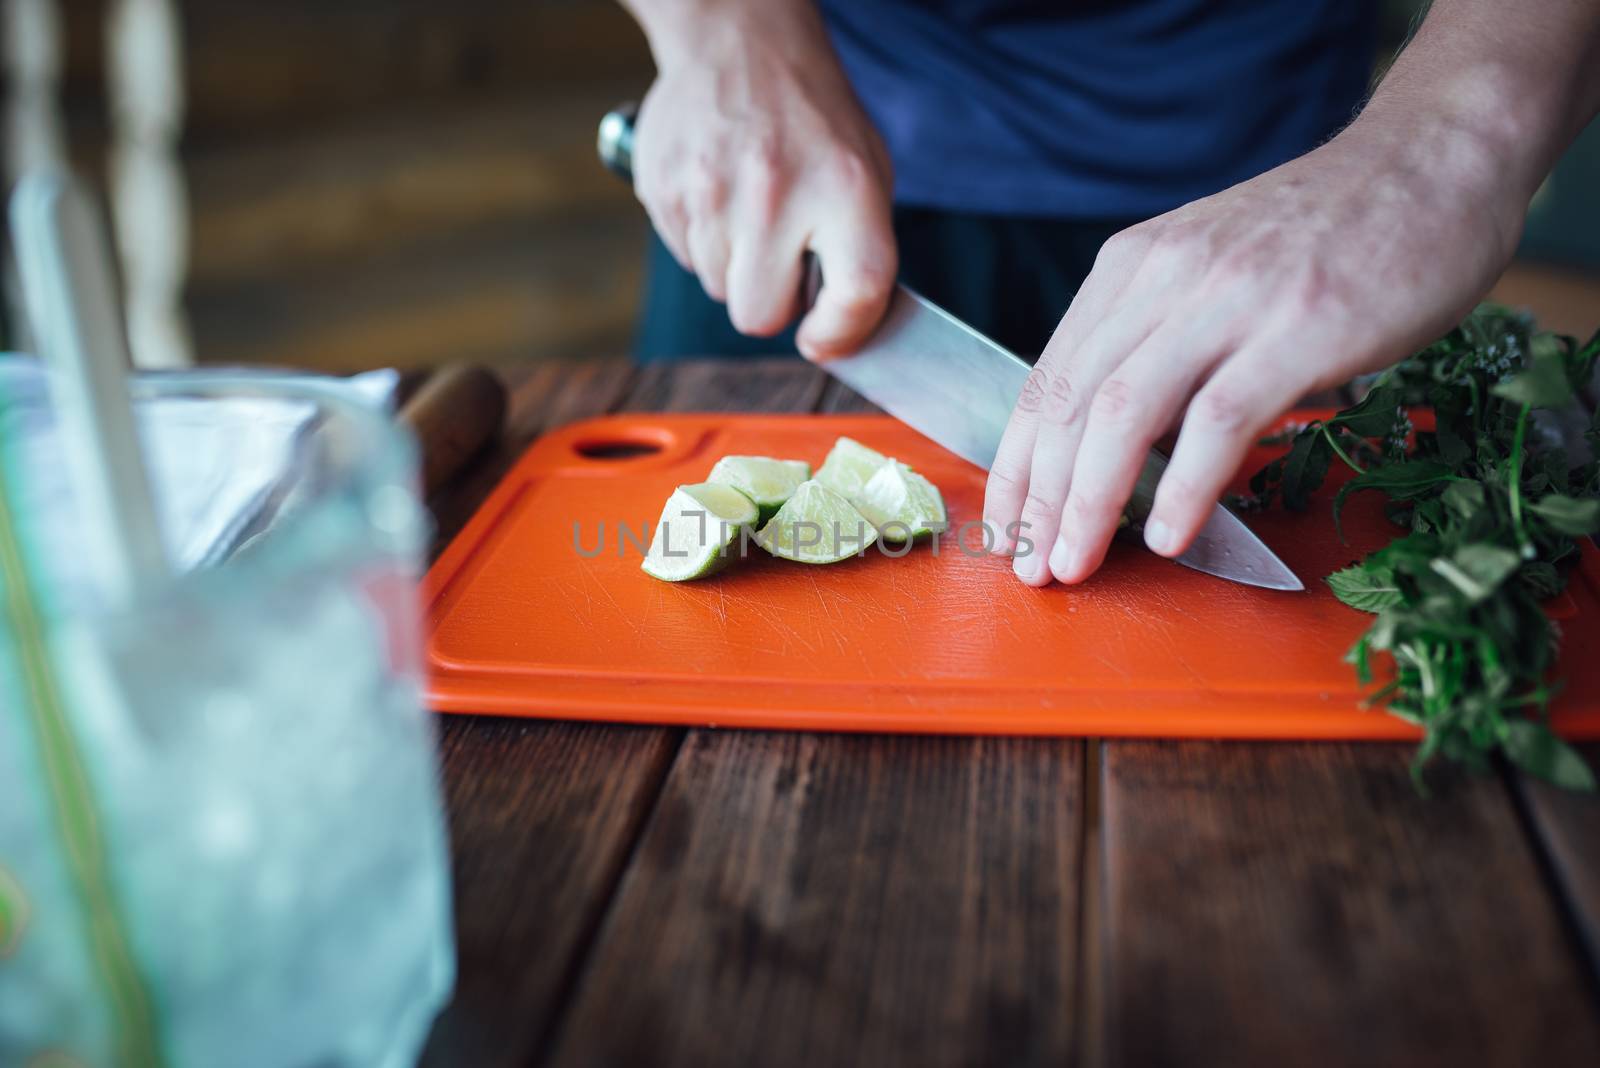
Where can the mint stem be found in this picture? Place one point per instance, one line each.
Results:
(1515, 463)
(1351, 464)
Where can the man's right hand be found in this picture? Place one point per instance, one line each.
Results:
(750, 150)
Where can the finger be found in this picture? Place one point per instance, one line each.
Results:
(705, 202)
(671, 224)
(857, 279)
(1131, 409)
(1049, 466)
(857, 255)
(1045, 390)
(707, 241)
(1062, 427)
(1245, 393)
(764, 281)
(1007, 487)
(652, 189)
(661, 203)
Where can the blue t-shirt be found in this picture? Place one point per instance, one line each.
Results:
(1098, 108)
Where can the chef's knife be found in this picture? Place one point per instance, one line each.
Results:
(935, 373)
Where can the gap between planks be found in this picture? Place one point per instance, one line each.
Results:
(1568, 859)
(605, 900)
(1089, 1000)
(673, 387)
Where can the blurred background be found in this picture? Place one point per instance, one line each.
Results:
(362, 183)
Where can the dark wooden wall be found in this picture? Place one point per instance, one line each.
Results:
(405, 182)
(396, 182)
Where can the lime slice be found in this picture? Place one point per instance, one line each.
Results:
(901, 503)
(817, 526)
(848, 466)
(696, 528)
(764, 480)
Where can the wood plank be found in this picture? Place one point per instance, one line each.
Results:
(541, 814)
(338, 190)
(267, 65)
(522, 289)
(1566, 826)
(802, 899)
(1300, 903)
(544, 814)
(757, 384)
(840, 399)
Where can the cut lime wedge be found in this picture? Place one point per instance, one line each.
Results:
(764, 480)
(901, 503)
(696, 528)
(817, 526)
(848, 466)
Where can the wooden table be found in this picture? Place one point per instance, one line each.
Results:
(641, 896)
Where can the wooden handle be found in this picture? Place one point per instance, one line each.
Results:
(455, 413)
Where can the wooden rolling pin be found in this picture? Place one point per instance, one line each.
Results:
(454, 414)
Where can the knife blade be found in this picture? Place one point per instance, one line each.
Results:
(949, 382)
(935, 373)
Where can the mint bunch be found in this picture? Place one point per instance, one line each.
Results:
(1489, 504)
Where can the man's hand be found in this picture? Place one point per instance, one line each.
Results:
(1231, 307)
(1227, 310)
(751, 150)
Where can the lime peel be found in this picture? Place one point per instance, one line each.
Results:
(696, 527)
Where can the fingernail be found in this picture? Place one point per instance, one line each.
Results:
(1159, 537)
(1027, 566)
(994, 536)
(1059, 556)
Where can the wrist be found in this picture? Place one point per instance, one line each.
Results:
(693, 32)
(1471, 139)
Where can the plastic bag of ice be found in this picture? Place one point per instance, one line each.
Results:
(221, 840)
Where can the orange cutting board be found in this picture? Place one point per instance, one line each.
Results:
(525, 617)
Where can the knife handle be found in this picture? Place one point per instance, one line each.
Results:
(455, 413)
(615, 140)
(614, 143)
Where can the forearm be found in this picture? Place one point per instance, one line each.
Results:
(1493, 91)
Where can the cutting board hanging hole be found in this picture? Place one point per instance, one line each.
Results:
(616, 450)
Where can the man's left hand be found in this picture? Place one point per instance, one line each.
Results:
(1226, 311)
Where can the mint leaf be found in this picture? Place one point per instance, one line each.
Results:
(1304, 469)
(1401, 481)
(1477, 570)
(1568, 515)
(1375, 416)
(1542, 384)
(1534, 748)
(1463, 499)
(1364, 588)
(1541, 579)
